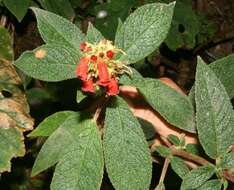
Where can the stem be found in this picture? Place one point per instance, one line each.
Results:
(98, 109)
(97, 113)
(3, 20)
(189, 156)
(228, 37)
(198, 160)
(164, 171)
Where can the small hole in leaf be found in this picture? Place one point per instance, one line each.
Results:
(181, 28)
(6, 93)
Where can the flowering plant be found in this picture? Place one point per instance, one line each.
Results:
(82, 143)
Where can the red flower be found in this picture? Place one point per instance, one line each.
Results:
(110, 54)
(83, 46)
(103, 74)
(88, 86)
(82, 68)
(113, 88)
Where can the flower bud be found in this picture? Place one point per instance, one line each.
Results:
(110, 54)
(93, 58)
(83, 46)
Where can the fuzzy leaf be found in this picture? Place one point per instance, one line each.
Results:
(144, 30)
(81, 168)
(215, 116)
(49, 63)
(213, 184)
(52, 151)
(163, 151)
(126, 153)
(224, 70)
(197, 177)
(173, 106)
(174, 139)
(93, 35)
(227, 160)
(61, 7)
(55, 29)
(17, 8)
(76, 146)
(179, 166)
(50, 124)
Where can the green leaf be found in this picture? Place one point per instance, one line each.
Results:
(61, 7)
(6, 50)
(127, 79)
(80, 96)
(147, 128)
(173, 106)
(120, 23)
(174, 139)
(53, 149)
(197, 177)
(213, 184)
(81, 168)
(76, 146)
(17, 8)
(93, 35)
(224, 70)
(11, 145)
(55, 29)
(14, 110)
(179, 166)
(127, 156)
(50, 124)
(144, 30)
(227, 160)
(163, 151)
(215, 116)
(49, 63)
(194, 148)
(184, 28)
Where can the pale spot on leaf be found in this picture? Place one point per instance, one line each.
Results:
(41, 53)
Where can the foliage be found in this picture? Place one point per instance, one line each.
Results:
(14, 110)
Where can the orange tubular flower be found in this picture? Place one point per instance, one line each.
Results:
(103, 74)
(88, 86)
(82, 68)
(113, 88)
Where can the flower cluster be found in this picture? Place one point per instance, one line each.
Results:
(98, 68)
